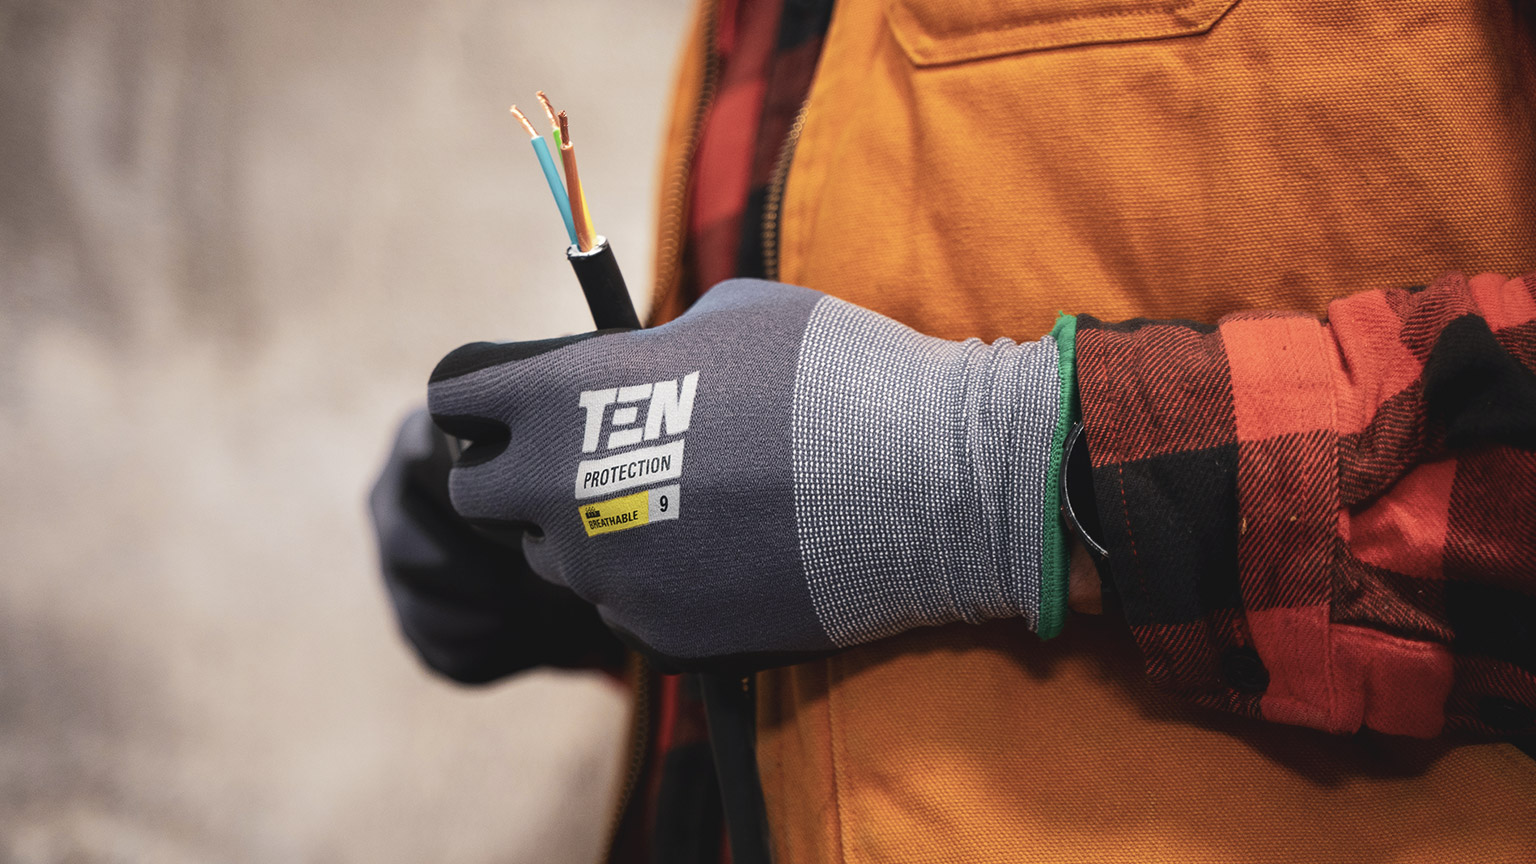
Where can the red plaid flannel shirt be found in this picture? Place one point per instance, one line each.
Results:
(767, 52)
(1329, 523)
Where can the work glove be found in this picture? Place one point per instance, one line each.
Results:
(470, 606)
(774, 475)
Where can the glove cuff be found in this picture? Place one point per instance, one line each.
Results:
(1055, 553)
(921, 473)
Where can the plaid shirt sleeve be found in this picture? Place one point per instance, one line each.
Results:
(1329, 523)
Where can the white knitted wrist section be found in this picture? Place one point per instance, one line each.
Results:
(920, 467)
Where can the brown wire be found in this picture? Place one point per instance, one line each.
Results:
(585, 235)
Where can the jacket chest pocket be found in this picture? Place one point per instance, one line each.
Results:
(939, 32)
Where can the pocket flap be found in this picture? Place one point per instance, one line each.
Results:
(935, 32)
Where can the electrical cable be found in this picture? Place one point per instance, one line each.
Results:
(591, 257)
(608, 299)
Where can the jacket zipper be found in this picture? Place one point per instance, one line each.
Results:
(669, 247)
(773, 202)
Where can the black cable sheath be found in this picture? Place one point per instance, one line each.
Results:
(607, 295)
(730, 713)
(729, 707)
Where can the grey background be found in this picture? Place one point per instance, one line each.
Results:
(234, 238)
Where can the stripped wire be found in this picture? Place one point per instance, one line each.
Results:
(523, 119)
(549, 111)
(585, 235)
(551, 175)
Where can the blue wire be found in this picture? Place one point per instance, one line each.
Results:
(556, 188)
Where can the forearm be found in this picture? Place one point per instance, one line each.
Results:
(1328, 523)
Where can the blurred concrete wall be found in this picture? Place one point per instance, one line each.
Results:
(234, 238)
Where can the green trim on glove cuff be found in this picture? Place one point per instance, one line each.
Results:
(1055, 557)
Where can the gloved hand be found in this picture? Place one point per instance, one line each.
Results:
(469, 605)
(775, 474)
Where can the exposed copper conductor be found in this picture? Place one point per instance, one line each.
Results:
(549, 110)
(524, 120)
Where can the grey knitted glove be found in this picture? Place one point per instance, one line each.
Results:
(775, 474)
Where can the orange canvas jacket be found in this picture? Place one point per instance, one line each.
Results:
(971, 168)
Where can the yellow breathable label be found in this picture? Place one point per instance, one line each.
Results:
(631, 511)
